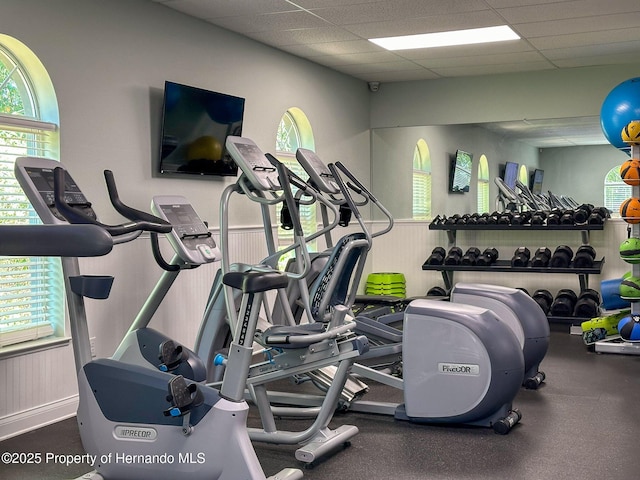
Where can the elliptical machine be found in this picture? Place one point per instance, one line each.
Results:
(460, 363)
(288, 349)
(136, 422)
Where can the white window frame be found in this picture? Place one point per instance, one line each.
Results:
(32, 304)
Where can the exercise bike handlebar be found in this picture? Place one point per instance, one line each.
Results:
(133, 214)
(120, 233)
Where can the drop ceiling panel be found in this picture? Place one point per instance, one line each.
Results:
(566, 10)
(425, 24)
(302, 36)
(385, 11)
(210, 9)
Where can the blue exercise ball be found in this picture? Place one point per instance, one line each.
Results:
(629, 328)
(621, 106)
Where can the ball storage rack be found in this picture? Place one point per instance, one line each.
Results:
(615, 343)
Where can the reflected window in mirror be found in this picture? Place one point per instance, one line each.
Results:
(421, 181)
(483, 184)
(615, 191)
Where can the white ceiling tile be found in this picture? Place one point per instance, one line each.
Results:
(271, 21)
(385, 11)
(303, 36)
(427, 24)
(332, 48)
(486, 60)
(208, 9)
(465, 71)
(567, 10)
(579, 25)
(467, 50)
(586, 38)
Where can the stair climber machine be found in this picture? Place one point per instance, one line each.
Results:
(136, 421)
(282, 349)
(460, 363)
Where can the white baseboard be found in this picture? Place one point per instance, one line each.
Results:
(43, 415)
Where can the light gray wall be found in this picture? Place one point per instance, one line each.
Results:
(546, 94)
(108, 61)
(579, 171)
(391, 165)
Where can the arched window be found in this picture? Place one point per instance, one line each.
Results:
(294, 131)
(421, 181)
(32, 304)
(483, 184)
(615, 191)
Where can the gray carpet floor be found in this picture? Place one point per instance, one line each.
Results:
(583, 423)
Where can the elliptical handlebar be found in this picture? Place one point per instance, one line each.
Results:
(350, 203)
(121, 233)
(299, 239)
(358, 187)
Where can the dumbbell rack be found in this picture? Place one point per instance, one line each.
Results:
(504, 266)
(616, 344)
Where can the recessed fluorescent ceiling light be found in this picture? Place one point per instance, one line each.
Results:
(447, 39)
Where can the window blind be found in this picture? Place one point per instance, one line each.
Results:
(31, 291)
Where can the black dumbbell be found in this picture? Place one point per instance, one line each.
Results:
(541, 257)
(585, 256)
(437, 256)
(454, 256)
(581, 214)
(505, 218)
(493, 218)
(470, 256)
(488, 257)
(588, 304)
(598, 216)
(437, 221)
(462, 220)
(567, 218)
(436, 292)
(544, 299)
(482, 219)
(564, 303)
(554, 216)
(561, 257)
(521, 257)
(521, 218)
(473, 219)
(538, 218)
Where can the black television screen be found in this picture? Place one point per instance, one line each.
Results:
(460, 178)
(536, 181)
(195, 125)
(510, 174)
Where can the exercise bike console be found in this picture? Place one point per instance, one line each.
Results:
(190, 237)
(39, 173)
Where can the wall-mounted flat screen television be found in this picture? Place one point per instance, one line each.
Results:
(460, 174)
(195, 125)
(510, 174)
(536, 181)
